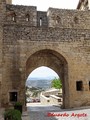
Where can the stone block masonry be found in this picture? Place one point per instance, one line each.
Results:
(59, 39)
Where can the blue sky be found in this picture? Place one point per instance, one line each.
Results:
(45, 4)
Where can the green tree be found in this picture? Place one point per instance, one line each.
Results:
(56, 83)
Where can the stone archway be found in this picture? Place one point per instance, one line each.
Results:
(54, 61)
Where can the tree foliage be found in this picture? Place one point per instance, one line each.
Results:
(56, 83)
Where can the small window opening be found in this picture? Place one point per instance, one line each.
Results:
(27, 17)
(87, 2)
(59, 100)
(14, 17)
(13, 96)
(58, 20)
(40, 21)
(76, 20)
(79, 85)
(89, 85)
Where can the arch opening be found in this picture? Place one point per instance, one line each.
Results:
(43, 85)
(55, 61)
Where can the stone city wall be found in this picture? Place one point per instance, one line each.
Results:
(59, 39)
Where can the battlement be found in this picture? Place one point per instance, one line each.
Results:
(18, 14)
(68, 18)
(61, 18)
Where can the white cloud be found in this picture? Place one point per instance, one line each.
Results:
(43, 72)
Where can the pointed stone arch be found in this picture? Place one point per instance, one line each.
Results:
(55, 61)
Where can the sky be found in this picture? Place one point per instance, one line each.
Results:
(43, 5)
(43, 72)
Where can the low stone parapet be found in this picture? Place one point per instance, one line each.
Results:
(55, 100)
(44, 100)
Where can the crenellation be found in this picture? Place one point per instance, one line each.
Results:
(20, 14)
(52, 18)
(68, 18)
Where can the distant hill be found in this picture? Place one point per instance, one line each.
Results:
(39, 83)
(42, 78)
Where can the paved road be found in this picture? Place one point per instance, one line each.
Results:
(42, 112)
(55, 113)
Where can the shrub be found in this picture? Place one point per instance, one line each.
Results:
(18, 106)
(12, 114)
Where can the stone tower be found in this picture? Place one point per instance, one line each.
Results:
(1, 37)
(2, 17)
(9, 1)
(83, 5)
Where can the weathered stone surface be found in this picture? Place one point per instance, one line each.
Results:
(61, 42)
